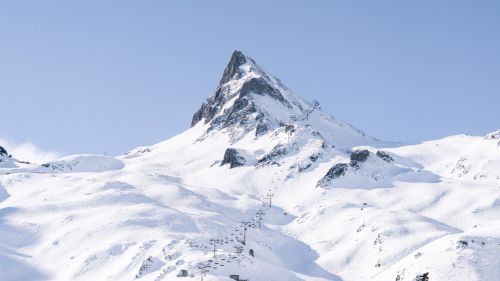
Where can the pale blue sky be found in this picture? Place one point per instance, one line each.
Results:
(96, 76)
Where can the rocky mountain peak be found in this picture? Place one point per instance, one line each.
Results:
(250, 98)
(232, 69)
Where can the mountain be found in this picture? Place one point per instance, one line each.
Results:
(249, 99)
(280, 190)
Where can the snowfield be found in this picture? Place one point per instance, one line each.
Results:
(344, 206)
(84, 163)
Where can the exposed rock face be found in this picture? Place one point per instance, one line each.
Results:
(384, 156)
(422, 277)
(356, 159)
(261, 87)
(242, 106)
(3, 151)
(272, 157)
(233, 158)
(261, 129)
(335, 172)
(232, 70)
(314, 157)
(493, 136)
(359, 156)
(235, 103)
(303, 167)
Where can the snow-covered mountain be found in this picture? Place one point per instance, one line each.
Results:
(318, 198)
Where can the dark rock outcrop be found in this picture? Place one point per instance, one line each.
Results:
(210, 107)
(462, 244)
(290, 129)
(272, 157)
(233, 67)
(260, 86)
(384, 156)
(316, 134)
(493, 136)
(314, 157)
(358, 156)
(324, 145)
(261, 129)
(233, 158)
(335, 172)
(303, 167)
(422, 277)
(243, 107)
(3, 151)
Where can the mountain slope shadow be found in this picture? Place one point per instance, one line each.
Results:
(300, 257)
(15, 265)
(3, 194)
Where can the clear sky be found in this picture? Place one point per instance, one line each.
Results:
(107, 76)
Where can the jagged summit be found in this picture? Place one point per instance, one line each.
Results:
(248, 98)
(233, 67)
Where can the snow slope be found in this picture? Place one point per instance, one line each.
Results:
(84, 163)
(345, 206)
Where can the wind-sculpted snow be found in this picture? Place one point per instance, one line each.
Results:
(85, 163)
(6, 161)
(3, 193)
(332, 203)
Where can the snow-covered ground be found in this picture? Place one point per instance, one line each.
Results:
(344, 206)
